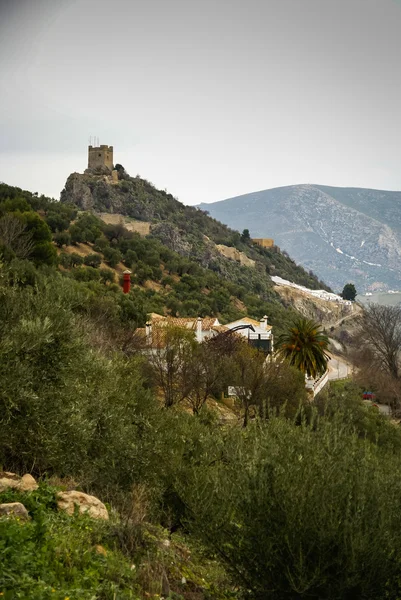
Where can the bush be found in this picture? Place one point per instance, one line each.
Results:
(63, 238)
(93, 260)
(64, 408)
(86, 274)
(65, 260)
(107, 276)
(57, 222)
(44, 254)
(76, 259)
(54, 556)
(300, 511)
(112, 256)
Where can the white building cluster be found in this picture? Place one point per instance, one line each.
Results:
(321, 294)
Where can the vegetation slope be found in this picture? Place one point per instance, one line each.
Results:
(302, 502)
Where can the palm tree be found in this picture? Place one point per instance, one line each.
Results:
(304, 346)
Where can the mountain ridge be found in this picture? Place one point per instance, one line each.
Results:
(342, 234)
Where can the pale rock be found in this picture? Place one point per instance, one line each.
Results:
(12, 481)
(87, 504)
(15, 510)
(27, 483)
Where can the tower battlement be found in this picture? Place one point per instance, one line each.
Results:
(100, 156)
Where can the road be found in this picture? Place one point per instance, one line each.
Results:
(338, 368)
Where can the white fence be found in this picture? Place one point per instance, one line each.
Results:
(314, 386)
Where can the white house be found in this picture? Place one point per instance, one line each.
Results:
(261, 336)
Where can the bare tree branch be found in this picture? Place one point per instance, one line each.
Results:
(380, 330)
(13, 235)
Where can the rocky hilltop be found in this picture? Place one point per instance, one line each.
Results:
(341, 234)
(184, 229)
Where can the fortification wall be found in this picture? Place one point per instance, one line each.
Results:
(236, 255)
(264, 242)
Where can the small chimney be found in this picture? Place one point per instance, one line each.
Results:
(199, 330)
(148, 331)
(126, 281)
(263, 323)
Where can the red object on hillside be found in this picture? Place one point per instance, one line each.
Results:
(368, 396)
(126, 281)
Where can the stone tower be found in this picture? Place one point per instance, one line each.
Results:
(100, 156)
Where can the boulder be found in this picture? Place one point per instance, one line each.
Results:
(87, 504)
(14, 509)
(26, 483)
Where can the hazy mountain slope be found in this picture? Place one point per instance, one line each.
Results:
(342, 234)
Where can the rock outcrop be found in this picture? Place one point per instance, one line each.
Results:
(15, 510)
(92, 192)
(86, 504)
(141, 227)
(324, 312)
(26, 483)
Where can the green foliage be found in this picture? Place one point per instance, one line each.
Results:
(65, 260)
(58, 394)
(299, 511)
(86, 274)
(349, 292)
(299, 504)
(57, 222)
(54, 556)
(112, 256)
(304, 346)
(14, 205)
(76, 259)
(93, 260)
(63, 238)
(87, 228)
(106, 276)
(245, 236)
(20, 273)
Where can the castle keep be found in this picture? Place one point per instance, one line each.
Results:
(100, 156)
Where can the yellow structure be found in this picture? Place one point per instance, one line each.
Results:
(264, 242)
(100, 156)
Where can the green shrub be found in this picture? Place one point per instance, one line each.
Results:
(112, 256)
(63, 238)
(93, 260)
(65, 260)
(76, 259)
(107, 276)
(54, 556)
(299, 511)
(86, 274)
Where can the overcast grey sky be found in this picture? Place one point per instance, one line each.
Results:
(207, 98)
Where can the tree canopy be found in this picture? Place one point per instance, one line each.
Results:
(304, 345)
(349, 292)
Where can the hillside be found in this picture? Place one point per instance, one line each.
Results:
(184, 229)
(194, 505)
(92, 252)
(341, 234)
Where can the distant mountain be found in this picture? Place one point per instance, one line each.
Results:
(341, 234)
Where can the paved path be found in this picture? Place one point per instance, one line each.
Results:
(338, 368)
